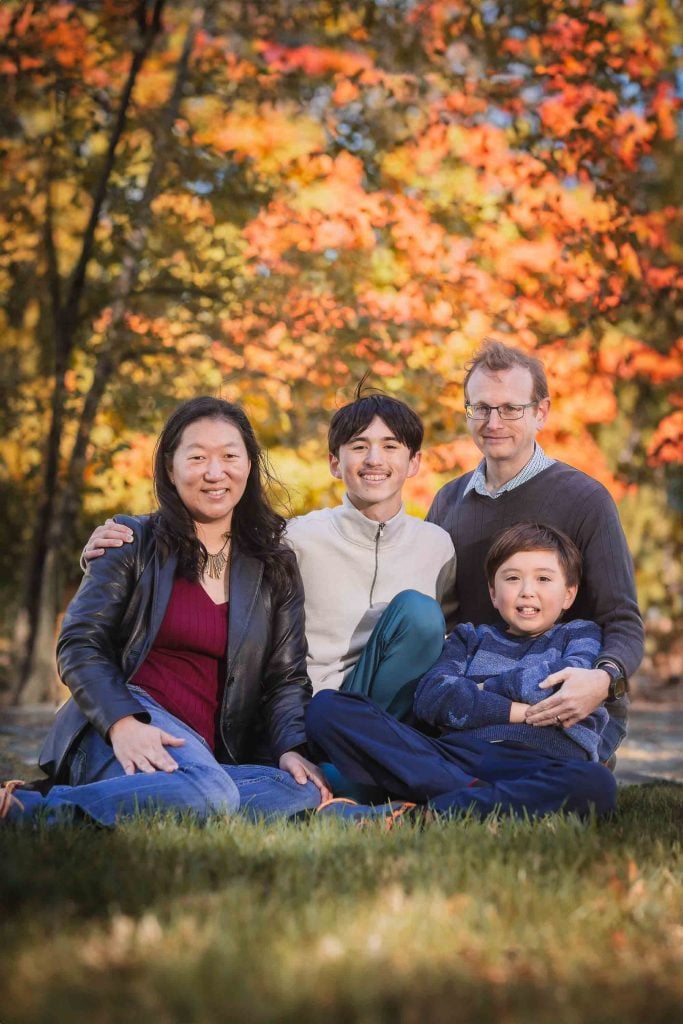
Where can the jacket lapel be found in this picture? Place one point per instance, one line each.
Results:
(164, 577)
(156, 581)
(246, 574)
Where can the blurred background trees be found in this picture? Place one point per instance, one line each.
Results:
(267, 200)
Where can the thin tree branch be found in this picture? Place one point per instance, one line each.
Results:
(53, 277)
(109, 354)
(149, 30)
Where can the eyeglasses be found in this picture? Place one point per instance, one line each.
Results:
(506, 412)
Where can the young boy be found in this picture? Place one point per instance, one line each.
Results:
(477, 695)
(493, 671)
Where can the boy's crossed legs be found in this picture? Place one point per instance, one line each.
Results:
(454, 772)
(406, 641)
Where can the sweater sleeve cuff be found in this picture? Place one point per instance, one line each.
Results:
(489, 709)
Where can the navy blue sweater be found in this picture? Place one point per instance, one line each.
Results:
(482, 669)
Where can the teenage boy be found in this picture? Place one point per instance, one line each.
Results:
(506, 405)
(478, 695)
(369, 569)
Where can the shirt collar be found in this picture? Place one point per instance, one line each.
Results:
(536, 464)
(354, 526)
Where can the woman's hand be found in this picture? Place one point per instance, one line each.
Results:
(303, 771)
(110, 535)
(141, 747)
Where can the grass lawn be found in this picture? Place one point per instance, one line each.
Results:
(158, 921)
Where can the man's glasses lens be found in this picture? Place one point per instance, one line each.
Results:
(506, 412)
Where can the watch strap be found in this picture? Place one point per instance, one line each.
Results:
(617, 678)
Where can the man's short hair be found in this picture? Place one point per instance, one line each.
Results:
(494, 356)
(352, 419)
(534, 537)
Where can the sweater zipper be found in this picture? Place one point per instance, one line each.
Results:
(378, 537)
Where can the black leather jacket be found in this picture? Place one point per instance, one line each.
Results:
(110, 626)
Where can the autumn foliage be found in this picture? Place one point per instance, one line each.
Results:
(325, 188)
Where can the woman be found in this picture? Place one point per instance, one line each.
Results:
(185, 651)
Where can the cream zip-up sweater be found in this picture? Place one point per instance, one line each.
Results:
(351, 569)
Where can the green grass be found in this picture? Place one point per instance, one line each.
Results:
(554, 921)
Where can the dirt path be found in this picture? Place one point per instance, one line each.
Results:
(652, 751)
(653, 748)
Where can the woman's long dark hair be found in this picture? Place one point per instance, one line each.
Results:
(256, 528)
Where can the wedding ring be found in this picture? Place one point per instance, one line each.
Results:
(558, 720)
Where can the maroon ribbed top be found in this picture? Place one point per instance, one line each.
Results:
(185, 669)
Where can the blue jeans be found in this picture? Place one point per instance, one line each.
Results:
(100, 790)
(406, 641)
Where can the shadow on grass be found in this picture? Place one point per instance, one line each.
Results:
(550, 921)
(82, 871)
(452, 997)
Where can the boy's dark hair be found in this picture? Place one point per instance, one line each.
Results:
(352, 419)
(534, 537)
(494, 356)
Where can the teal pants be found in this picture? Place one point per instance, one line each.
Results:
(406, 641)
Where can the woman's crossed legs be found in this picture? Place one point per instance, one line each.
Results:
(100, 790)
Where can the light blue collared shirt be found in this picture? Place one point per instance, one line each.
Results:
(536, 464)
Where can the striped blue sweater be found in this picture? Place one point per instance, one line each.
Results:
(482, 669)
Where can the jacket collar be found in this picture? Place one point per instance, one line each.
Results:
(358, 529)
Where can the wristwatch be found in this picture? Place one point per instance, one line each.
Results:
(617, 679)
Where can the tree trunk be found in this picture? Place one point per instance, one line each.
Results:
(39, 606)
(39, 678)
(41, 681)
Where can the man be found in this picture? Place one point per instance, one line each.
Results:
(506, 404)
(369, 569)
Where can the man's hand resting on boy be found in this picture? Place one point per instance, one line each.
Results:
(582, 690)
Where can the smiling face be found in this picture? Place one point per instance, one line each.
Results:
(530, 592)
(209, 470)
(374, 466)
(507, 445)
